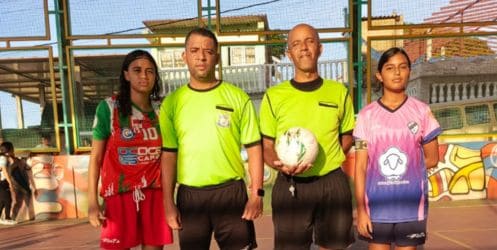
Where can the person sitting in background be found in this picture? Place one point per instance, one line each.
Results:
(46, 141)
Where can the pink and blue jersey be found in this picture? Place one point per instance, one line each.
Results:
(396, 178)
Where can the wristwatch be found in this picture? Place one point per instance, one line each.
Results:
(260, 192)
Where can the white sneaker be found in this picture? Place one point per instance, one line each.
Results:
(8, 222)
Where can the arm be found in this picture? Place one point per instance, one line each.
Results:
(430, 150)
(364, 226)
(346, 141)
(253, 208)
(32, 181)
(95, 214)
(168, 171)
(271, 158)
(269, 155)
(347, 125)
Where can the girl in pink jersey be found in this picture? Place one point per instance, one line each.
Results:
(125, 155)
(395, 142)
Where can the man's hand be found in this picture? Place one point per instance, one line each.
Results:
(300, 169)
(253, 208)
(292, 170)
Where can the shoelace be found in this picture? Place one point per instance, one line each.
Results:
(138, 196)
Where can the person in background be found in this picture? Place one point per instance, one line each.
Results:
(5, 193)
(395, 142)
(311, 203)
(125, 154)
(203, 125)
(45, 141)
(19, 177)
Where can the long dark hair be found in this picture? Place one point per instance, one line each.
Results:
(124, 94)
(6, 148)
(390, 53)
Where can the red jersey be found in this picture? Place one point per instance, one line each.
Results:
(132, 154)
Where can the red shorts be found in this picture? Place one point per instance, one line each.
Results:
(126, 227)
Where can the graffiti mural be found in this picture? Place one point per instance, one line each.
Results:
(460, 174)
(465, 171)
(61, 183)
(489, 158)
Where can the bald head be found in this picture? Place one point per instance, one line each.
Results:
(301, 28)
(304, 50)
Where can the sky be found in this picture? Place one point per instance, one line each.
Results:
(23, 18)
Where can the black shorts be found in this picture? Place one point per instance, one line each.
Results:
(321, 208)
(217, 209)
(402, 234)
(5, 197)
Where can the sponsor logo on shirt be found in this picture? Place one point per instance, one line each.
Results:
(393, 165)
(138, 155)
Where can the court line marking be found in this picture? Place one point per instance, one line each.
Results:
(463, 206)
(440, 234)
(453, 240)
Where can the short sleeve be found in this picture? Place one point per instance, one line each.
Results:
(360, 130)
(101, 123)
(348, 120)
(249, 125)
(267, 118)
(166, 122)
(431, 127)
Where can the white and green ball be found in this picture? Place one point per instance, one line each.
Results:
(297, 146)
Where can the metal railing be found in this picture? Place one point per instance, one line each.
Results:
(460, 91)
(255, 79)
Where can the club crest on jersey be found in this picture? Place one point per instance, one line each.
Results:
(223, 120)
(413, 126)
(127, 134)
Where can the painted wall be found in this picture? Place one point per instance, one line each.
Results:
(465, 171)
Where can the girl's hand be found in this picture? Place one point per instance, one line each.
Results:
(173, 217)
(95, 215)
(364, 225)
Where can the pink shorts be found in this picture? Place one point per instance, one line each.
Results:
(126, 226)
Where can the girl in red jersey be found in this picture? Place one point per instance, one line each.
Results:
(125, 155)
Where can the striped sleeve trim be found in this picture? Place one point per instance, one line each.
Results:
(248, 145)
(169, 149)
(268, 137)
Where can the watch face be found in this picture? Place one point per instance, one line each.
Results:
(260, 192)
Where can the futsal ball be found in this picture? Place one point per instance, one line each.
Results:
(296, 146)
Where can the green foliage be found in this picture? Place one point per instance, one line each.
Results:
(277, 50)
